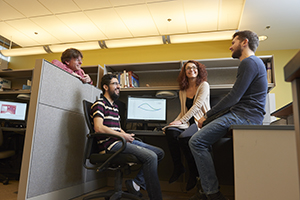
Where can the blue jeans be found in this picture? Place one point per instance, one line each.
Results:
(149, 155)
(200, 144)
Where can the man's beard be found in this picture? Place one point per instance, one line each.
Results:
(237, 53)
(113, 95)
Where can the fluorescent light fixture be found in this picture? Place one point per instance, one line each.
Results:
(80, 46)
(129, 42)
(23, 51)
(201, 37)
(134, 42)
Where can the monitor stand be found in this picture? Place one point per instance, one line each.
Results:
(145, 126)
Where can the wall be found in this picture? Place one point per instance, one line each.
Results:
(203, 50)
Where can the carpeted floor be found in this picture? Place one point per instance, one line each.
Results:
(9, 192)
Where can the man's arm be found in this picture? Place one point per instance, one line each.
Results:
(246, 74)
(100, 128)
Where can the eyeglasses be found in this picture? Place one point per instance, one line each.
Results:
(190, 68)
(115, 83)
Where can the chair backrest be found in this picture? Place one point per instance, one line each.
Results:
(91, 146)
(1, 138)
(87, 114)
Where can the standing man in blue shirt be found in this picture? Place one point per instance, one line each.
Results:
(245, 104)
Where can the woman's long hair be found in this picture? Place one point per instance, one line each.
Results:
(183, 80)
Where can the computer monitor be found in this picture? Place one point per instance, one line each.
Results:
(146, 110)
(10, 110)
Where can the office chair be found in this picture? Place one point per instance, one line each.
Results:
(4, 154)
(108, 161)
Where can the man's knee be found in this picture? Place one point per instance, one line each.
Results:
(192, 142)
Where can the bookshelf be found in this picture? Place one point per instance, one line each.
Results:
(163, 75)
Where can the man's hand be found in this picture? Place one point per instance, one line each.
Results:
(128, 137)
(200, 121)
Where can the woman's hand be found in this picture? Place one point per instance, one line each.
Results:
(86, 78)
(200, 121)
(176, 122)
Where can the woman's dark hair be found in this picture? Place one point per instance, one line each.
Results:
(106, 80)
(252, 37)
(183, 80)
(68, 54)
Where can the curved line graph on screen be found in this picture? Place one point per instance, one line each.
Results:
(147, 107)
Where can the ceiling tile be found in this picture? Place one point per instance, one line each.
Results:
(126, 2)
(33, 31)
(109, 23)
(7, 12)
(59, 6)
(12, 34)
(201, 15)
(57, 28)
(230, 14)
(93, 4)
(29, 8)
(82, 25)
(138, 20)
(163, 11)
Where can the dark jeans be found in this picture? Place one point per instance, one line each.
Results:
(149, 155)
(177, 144)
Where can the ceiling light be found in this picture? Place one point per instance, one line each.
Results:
(129, 42)
(262, 38)
(23, 51)
(81, 46)
(134, 42)
(200, 37)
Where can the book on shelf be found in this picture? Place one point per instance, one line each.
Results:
(133, 79)
(128, 79)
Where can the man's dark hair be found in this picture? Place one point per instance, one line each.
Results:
(106, 80)
(68, 54)
(251, 36)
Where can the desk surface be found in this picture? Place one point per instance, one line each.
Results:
(262, 127)
(13, 129)
(146, 132)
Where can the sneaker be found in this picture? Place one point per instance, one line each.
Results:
(198, 196)
(131, 190)
(216, 196)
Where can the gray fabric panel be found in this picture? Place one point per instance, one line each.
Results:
(63, 90)
(60, 133)
(56, 161)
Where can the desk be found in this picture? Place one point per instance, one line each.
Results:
(13, 129)
(146, 133)
(292, 74)
(265, 162)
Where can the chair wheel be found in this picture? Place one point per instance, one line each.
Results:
(5, 182)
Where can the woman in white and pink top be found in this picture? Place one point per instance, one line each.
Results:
(71, 60)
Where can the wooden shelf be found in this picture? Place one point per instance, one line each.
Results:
(15, 92)
(24, 73)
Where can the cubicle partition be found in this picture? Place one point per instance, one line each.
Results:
(55, 137)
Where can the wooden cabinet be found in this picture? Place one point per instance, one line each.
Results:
(95, 72)
(18, 78)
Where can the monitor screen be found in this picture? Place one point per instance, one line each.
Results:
(143, 109)
(12, 110)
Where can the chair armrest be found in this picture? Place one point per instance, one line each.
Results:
(89, 144)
